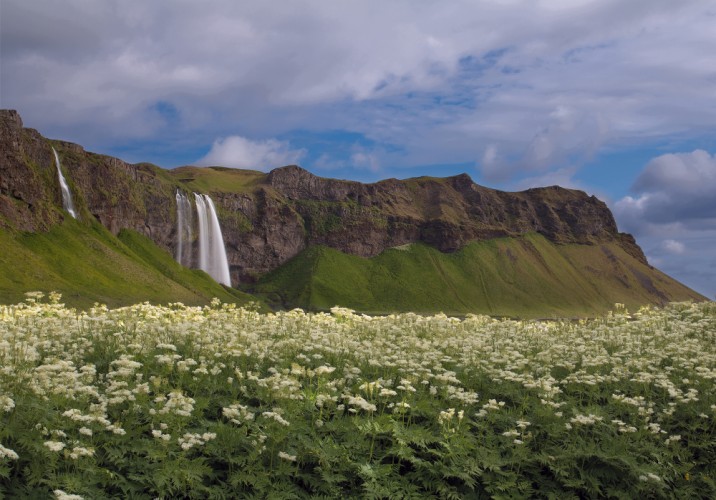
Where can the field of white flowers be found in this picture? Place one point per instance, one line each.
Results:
(224, 402)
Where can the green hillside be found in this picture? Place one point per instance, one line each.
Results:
(522, 277)
(87, 264)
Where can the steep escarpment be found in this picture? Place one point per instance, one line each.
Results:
(269, 219)
(445, 213)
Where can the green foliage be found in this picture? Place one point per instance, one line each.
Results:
(224, 402)
(513, 277)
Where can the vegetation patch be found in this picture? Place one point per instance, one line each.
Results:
(225, 402)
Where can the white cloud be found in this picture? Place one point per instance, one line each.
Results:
(673, 247)
(365, 160)
(239, 152)
(680, 173)
(672, 188)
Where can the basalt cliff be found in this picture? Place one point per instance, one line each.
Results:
(269, 218)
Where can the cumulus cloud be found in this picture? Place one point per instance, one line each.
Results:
(239, 152)
(672, 189)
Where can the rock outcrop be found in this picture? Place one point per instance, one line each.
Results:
(279, 214)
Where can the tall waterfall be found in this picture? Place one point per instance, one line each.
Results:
(66, 194)
(185, 234)
(212, 253)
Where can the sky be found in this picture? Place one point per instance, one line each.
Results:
(614, 97)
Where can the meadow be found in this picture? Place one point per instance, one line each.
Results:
(224, 402)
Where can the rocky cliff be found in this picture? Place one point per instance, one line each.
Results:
(269, 218)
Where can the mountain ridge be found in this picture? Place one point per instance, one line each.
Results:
(270, 218)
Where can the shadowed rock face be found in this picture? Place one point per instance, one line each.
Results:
(289, 208)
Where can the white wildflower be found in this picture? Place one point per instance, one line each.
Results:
(176, 403)
(285, 456)
(8, 453)
(275, 416)
(55, 445)
(672, 439)
(61, 495)
(79, 451)
(361, 403)
(6, 404)
(160, 435)
(189, 440)
(446, 416)
(590, 419)
(324, 370)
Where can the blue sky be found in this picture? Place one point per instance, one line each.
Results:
(616, 98)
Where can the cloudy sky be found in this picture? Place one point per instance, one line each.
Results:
(611, 96)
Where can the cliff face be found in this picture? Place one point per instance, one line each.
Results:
(269, 218)
(27, 191)
(117, 194)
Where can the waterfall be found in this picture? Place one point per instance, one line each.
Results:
(212, 254)
(184, 229)
(66, 194)
(203, 218)
(218, 250)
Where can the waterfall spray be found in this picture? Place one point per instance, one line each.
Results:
(184, 229)
(66, 194)
(212, 254)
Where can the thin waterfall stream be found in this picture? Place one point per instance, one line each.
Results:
(66, 193)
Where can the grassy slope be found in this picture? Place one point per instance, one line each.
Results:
(88, 264)
(527, 277)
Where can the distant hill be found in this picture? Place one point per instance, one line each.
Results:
(424, 244)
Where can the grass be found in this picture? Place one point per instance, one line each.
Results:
(513, 277)
(87, 264)
(217, 179)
